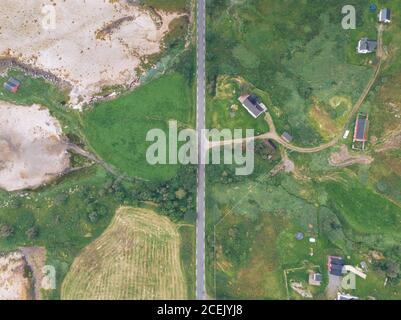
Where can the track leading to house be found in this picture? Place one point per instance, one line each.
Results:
(200, 125)
(272, 134)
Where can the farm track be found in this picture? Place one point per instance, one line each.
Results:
(273, 135)
(93, 157)
(137, 257)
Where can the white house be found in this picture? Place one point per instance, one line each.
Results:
(385, 16)
(366, 46)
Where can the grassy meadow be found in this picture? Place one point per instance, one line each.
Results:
(117, 129)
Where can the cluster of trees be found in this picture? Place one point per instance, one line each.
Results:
(7, 231)
(224, 174)
(176, 198)
(391, 264)
(186, 65)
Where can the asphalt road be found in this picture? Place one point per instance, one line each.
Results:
(200, 125)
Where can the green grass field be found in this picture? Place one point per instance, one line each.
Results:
(117, 130)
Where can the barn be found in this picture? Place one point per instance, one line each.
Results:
(361, 130)
(12, 85)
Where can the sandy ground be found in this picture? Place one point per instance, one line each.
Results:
(95, 43)
(343, 158)
(13, 284)
(31, 150)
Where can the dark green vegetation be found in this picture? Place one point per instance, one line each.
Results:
(117, 129)
(304, 66)
(188, 244)
(167, 5)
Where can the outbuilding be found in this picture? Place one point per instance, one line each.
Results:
(385, 16)
(12, 85)
(315, 279)
(366, 46)
(335, 266)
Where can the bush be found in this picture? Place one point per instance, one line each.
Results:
(32, 233)
(6, 231)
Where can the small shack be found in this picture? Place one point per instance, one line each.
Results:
(385, 16)
(12, 85)
(315, 279)
(361, 131)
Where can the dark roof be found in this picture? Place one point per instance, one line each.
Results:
(270, 143)
(253, 104)
(385, 14)
(366, 44)
(8, 86)
(335, 265)
(388, 14)
(336, 270)
(317, 277)
(361, 127)
(12, 85)
(14, 82)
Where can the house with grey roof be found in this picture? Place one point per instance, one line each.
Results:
(253, 105)
(385, 16)
(366, 46)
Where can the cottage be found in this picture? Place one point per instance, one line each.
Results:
(253, 105)
(335, 266)
(12, 85)
(315, 279)
(385, 16)
(366, 46)
(287, 137)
